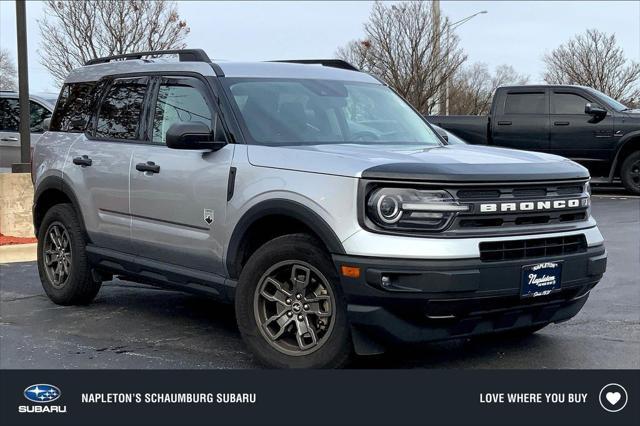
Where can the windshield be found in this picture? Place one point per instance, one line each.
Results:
(608, 100)
(305, 111)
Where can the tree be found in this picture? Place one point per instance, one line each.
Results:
(75, 31)
(472, 88)
(406, 46)
(594, 59)
(8, 74)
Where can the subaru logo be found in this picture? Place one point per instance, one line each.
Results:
(42, 393)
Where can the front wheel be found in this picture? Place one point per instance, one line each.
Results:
(630, 173)
(290, 310)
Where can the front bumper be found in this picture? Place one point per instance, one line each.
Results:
(427, 300)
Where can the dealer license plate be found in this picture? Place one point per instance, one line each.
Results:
(540, 279)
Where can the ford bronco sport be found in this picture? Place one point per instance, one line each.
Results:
(313, 197)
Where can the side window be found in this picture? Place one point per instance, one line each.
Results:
(567, 103)
(120, 110)
(38, 114)
(73, 109)
(179, 99)
(525, 103)
(9, 115)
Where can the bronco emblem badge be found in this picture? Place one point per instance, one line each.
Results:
(208, 216)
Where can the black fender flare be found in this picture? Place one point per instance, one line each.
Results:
(281, 207)
(620, 146)
(58, 184)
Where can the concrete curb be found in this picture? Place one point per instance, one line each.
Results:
(18, 253)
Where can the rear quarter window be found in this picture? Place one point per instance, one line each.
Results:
(74, 108)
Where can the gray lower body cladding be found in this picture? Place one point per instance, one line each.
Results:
(429, 300)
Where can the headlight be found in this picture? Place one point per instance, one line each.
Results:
(406, 209)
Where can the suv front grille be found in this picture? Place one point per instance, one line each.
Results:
(505, 192)
(477, 221)
(496, 251)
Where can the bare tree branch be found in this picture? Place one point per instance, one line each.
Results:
(472, 88)
(400, 47)
(594, 59)
(75, 31)
(8, 73)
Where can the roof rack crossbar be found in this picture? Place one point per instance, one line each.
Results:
(334, 63)
(184, 55)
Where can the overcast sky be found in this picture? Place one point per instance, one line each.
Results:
(514, 33)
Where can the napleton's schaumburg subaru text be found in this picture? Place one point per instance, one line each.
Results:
(311, 196)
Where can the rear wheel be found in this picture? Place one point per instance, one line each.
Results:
(630, 173)
(62, 260)
(290, 310)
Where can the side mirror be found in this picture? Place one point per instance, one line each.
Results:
(46, 123)
(191, 135)
(441, 132)
(594, 109)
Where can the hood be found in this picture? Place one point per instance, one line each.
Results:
(466, 163)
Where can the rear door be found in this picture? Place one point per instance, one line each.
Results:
(582, 137)
(178, 210)
(522, 119)
(98, 162)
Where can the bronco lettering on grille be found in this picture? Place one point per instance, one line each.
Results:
(531, 206)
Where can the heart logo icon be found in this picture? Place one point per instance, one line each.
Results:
(613, 397)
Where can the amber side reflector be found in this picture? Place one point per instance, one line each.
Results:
(350, 271)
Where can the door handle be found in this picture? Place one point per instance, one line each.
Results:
(83, 161)
(149, 166)
(560, 123)
(9, 139)
(504, 123)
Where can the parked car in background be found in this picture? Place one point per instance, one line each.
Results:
(576, 122)
(41, 108)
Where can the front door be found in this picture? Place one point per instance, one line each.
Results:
(179, 197)
(581, 137)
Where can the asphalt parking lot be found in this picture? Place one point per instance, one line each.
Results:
(136, 326)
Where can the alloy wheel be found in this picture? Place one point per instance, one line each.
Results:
(294, 307)
(56, 254)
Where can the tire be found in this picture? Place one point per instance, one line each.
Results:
(74, 283)
(630, 173)
(266, 290)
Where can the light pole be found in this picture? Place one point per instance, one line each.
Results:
(23, 90)
(451, 26)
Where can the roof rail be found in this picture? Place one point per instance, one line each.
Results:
(334, 63)
(184, 55)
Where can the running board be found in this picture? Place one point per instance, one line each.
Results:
(162, 274)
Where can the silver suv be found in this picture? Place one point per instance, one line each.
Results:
(310, 195)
